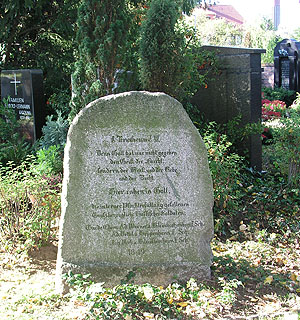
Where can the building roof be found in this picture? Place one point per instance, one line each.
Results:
(227, 12)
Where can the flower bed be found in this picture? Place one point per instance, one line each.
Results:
(272, 109)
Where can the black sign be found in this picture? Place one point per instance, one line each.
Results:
(24, 91)
(287, 64)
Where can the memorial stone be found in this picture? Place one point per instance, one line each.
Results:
(24, 91)
(287, 64)
(137, 193)
(234, 92)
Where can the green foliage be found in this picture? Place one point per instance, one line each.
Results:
(226, 168)
(188, 5)
(49, 161)
(39, 34)
(222, 33)
(29, 206)
(267, 24)
(262, 36)
(288, 96)
(228, 295)
(13, 146)
(159, 45)
(129, 301)
(242, 194)
(295, 107)
(59, 103)
(296, 34)
(287, 136)
(51, 146)
(269, 44)
(238, 133)
(217, 31)
(54, 132)
(103, 29)
(268, 202)
(233, 131)
(170, 55)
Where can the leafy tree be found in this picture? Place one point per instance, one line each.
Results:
(161, 46)
(39, 34)
(267, 24)
(296, 34)
(169, 52)
(188, 5)
(102, 44)
(107, 38)
(262, 37)
(220, 32)
(217, 31)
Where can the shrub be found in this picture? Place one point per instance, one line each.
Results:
(287, 136)
(170, 54)
(103, 39)
(226, 168)
(287, 96)
(29, 206)
(161, 47)
(54, 132)
(49, 161)
(60, 102)
(273, 109)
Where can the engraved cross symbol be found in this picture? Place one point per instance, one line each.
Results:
(15, 83)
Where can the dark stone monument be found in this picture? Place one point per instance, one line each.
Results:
(24, 91)
(287, 64)
(236, 91)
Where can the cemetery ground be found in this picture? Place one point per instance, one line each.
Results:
(255, 272)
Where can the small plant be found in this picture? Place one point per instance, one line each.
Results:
(79, 284)
(29, 206)
(296, 104)
(273, 109)
(49, 161)
(228, 295)
(54, 132)
(226, 167)
(60, 102)
(287, 96)
(288, 139)
(146, 301)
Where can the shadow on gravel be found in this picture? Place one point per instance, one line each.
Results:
(44, 258)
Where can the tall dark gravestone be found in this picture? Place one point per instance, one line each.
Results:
(236, 91)
(287, 64)
(24, 91)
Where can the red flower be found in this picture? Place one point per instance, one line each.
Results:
(265, 101)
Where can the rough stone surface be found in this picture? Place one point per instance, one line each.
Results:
(137, 193)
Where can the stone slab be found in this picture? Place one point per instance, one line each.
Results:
(24, 91)
(137, 193)
(235, 91)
